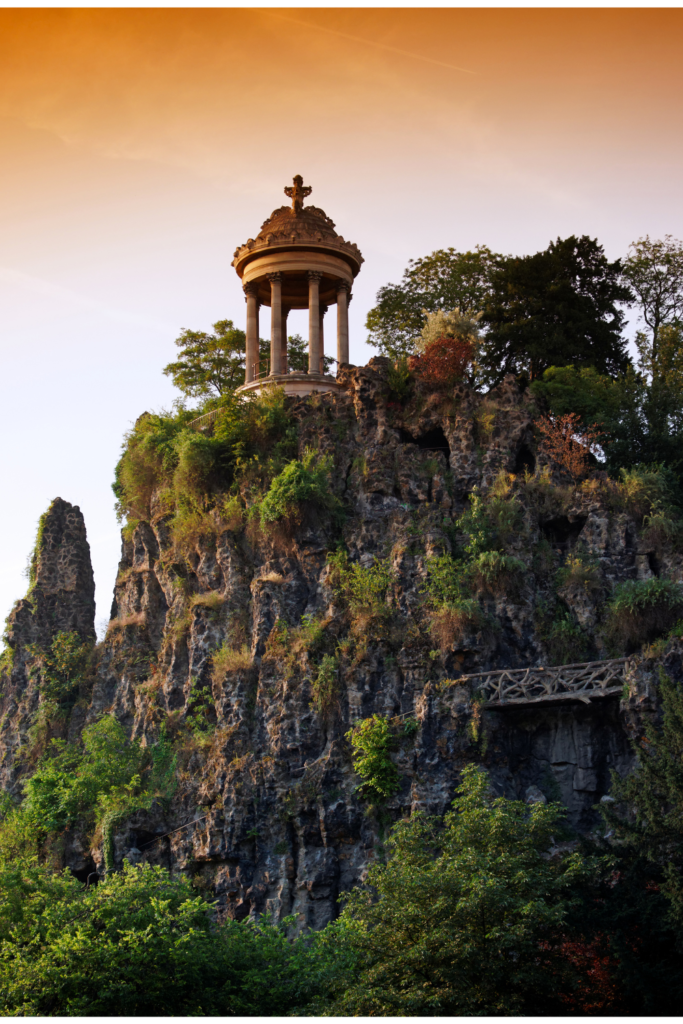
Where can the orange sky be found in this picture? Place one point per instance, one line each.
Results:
(139, 147)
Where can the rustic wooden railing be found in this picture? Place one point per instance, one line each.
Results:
(204, 421)
(580, 681)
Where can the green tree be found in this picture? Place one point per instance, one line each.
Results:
(140, 943)
(297, 354)
(458, 921)
(444, 280)
(209, 365)
(654, 271)
(556, 308)
(650, 819)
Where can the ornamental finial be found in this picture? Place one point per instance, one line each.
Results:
(297, 193)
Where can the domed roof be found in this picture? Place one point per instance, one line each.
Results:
(297, 227)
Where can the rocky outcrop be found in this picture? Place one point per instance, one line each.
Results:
(267, 812)
(61, 598)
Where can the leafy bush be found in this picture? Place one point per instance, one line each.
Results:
(101, 784)
(454, 923)
(400, 379)
(372, 741)
(64, 667)
(302, 483)
(252, 438)
(444, 362)
(364, 587)
(641, 610)
(140, 944)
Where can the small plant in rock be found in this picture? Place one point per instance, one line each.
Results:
(642, 610)
(229, 659)
(326, 685)
(453, 608)
(211, 600)
(580, 572)
(564, 639)
(497, 572)
(365, 588)
(372, 741)
(400, 379)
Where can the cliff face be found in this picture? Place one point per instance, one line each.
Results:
(266, 811)
(61, 598)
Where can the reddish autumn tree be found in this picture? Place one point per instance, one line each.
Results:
(443, 362)
(568, 443)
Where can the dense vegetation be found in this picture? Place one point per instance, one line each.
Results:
(497, 908)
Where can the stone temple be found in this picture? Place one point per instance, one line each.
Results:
(297, 261)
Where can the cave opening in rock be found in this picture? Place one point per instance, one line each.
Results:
(563, 532)
(525, 461)
(432, 441)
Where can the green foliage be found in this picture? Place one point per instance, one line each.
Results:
(648, 816)
(556, 308)
(365, 588)
(326, 684)
(209, 364)
(654, 270)
(64, 667)
(564, 639)
(400, 379)
(139, 944)
(444, 280)
(37, 547)
(454, 924)
(490, 521)
(200, 710)
(595, 397)
(580, 571)
(297, 355)
(641, 610)
(252, 439)
(100, 784)
(372, 742)
(304, 482)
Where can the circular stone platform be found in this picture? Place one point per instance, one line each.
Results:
(294, 383)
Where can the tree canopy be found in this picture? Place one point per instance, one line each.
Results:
(209, 365)
(654, 271)
(556, 308)
(444, 280)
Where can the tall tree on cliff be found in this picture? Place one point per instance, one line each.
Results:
(209, 365)
(556, 308)
(654, 270)
(444, 280)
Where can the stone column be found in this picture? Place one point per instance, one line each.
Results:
(283, 357)
(323, 310)
(343, 299)
(275, 323)
(314, 321)
(252, 346)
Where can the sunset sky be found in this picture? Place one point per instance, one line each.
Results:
(138, 148)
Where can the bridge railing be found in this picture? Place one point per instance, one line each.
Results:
(580, 681)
